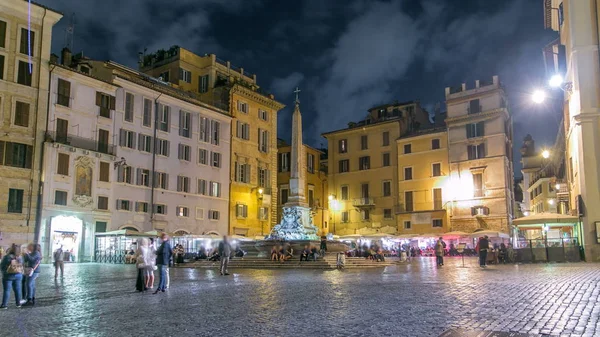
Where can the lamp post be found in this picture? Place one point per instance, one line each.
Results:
(333, 206)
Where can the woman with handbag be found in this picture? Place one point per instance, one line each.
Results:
(145, 265)
(12, 275)
(33, 258)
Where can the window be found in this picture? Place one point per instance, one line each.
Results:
(161, 180)
(387, 188)
(63, 94)
(264, 177)
(310, 162)
(103, 203)
(104, 171)
(15, 154)
(213, 214)
(185, 75)
(436, 169)
(242, 107)
(241, 211)
(344, 165)
(164, 76)
(283, 162)
(365, 215)
(364, 142)
(343, 146)
(263, 140)
(385, 160)
(407, 225)
(561, 14)
(106, 103)
(145, 143)
(216, 159)
(143, 177)
(215, 189)
(15, 201)
(437, 223)
(184, 152)
(478, 185)
(435, 144)
(162, 147)
(242, 173)
(141, 207)
(344, 193)
(127, 138)
(385, 138)
(437, 198)
(242, 130)
(124, 174)
(480, 210)
(408, 173)
(407, 148)
(474, 106)
(147, 118)
(203, 156)
(160, 209)
(311, 196)
(203, 84)
(408, 201)
(263, 115)
(1, 61)
(475, 130)
(24, 73)
(284, 196)
(62, 130)
(216, 131)
(364, 190)
(60, 198)
(27, 42)
(21, 114)
(571, 173)
(364, 163)
(183, 211)
(164, 117)
(128, 107)
(345, 216)
(476, 151)
(183, 184)
(199, 213)
(204, 129)
(185, 121)
(2, 34)
(202, 187)
(263, 213)
(63, 164)
(387, 213)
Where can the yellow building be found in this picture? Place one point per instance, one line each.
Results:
(574, 56)
(316, 183)
(422, 184)
(253, 190)
(363, 168)
(25, 37)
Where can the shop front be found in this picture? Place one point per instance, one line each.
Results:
(71, 234)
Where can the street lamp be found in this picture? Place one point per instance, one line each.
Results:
(538, 96)
(556, 81)
(546, 154)
(334, 205)
(557, 186)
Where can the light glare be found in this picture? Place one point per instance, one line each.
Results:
(556, 81)
(538, 96)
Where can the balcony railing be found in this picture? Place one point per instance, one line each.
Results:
(419, 207)
(363, 202)
(80, 142)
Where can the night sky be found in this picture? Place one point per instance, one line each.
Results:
(346, 56)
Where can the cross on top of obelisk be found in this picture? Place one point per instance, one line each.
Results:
(297, 91)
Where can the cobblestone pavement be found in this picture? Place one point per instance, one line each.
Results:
(405, 300)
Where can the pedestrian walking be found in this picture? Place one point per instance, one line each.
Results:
(225, 253)
(59, 262)
(439, 252)
(12, 275)
(164, 253)
(484, 246)
(33, 258)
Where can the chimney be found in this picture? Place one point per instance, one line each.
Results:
(53, 58)
(67, 57)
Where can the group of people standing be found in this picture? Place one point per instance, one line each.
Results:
(149, 259)
(19, 272)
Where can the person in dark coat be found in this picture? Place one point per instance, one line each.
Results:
(484, 246)
(163, 258)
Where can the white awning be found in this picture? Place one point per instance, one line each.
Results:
(545, 219)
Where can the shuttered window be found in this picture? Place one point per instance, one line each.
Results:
(104, 171)
(63, 164)
(22, 114)
(27, 42)
(63, 94)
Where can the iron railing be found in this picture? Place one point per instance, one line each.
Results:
(81, 142)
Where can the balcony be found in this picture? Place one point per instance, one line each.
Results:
(81, 143)
(363, 202)
(419, 207)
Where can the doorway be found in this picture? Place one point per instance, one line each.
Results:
(65, 232)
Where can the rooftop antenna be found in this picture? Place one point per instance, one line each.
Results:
(69, 33)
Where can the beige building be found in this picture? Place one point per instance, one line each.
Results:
(363, 168)
(575, 56)
(24, 60)
(315, 179)
(480, 157)
(253, 190)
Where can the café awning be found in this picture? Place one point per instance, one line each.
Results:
(490, 234)
(549, 219)
(123, 232)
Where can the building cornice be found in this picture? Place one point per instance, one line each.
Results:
(360, 127)
(269, 102)
(472, 118)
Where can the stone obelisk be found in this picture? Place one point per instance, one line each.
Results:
(296, 221)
